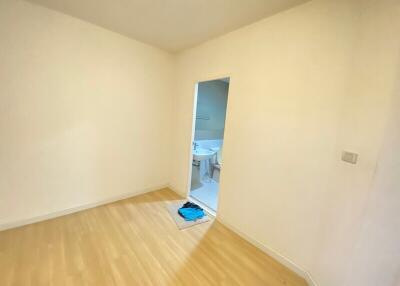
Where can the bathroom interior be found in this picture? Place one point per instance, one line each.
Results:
(210, 110)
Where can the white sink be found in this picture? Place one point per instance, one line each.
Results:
(201, 154)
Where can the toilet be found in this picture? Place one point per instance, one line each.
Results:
(217, 162)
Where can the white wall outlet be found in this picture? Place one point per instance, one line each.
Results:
(349, 157)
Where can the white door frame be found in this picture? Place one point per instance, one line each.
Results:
(194, 111)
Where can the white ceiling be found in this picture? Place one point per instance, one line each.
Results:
(172, 25)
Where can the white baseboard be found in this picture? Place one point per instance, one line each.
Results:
(269, 251)
(309, 279)
(274, 254)
(56, 214)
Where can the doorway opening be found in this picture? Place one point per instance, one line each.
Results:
(210, 104)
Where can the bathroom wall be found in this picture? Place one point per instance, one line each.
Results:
(208, 144)
(81, 119)
(305, 85)
(212, 98)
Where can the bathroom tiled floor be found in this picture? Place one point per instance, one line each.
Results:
(207, 193)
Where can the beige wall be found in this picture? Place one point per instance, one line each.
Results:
(84, 113)
(305, 85)
(377, 242)
(364, 116)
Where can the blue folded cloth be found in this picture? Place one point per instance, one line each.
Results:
(191, 214)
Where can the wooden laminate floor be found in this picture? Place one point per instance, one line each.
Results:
(133, 242)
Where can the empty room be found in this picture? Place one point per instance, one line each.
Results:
(199, 142)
